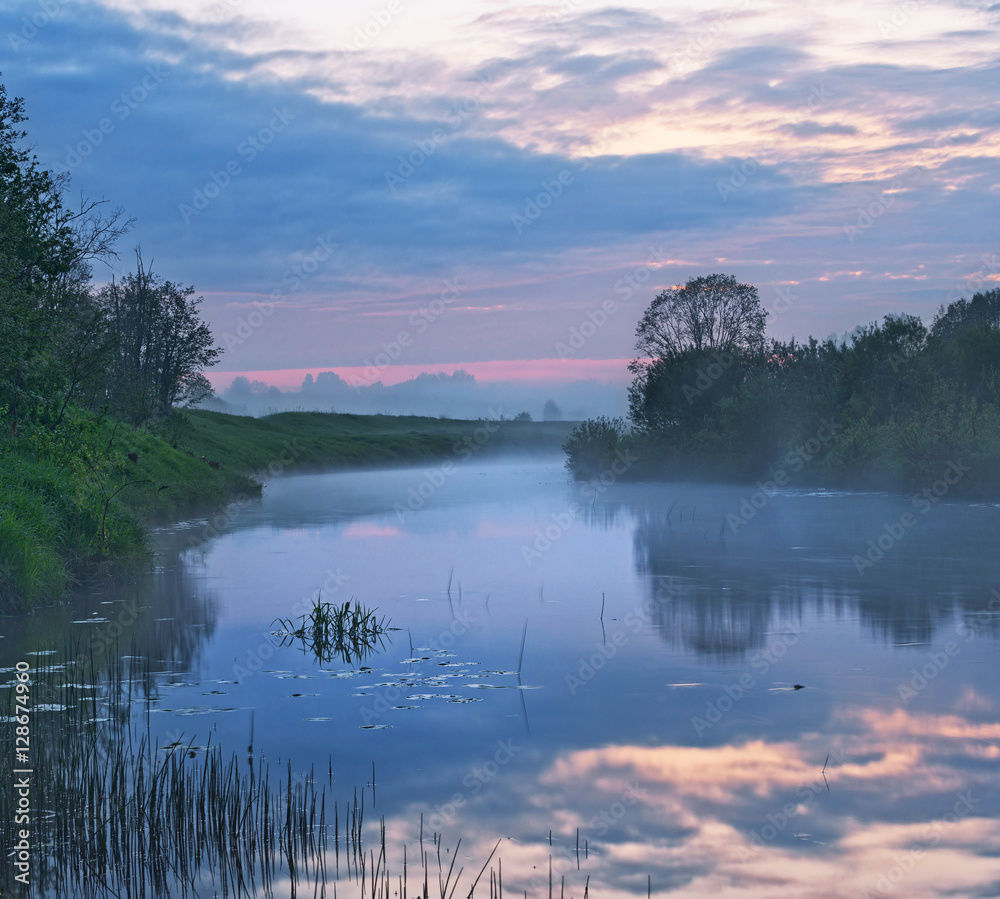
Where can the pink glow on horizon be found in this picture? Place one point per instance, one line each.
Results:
(549, 371)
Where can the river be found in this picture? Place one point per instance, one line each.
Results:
(718, 690)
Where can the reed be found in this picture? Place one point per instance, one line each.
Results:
(349, 632)
(114, 813)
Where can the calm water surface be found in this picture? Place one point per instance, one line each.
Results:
(722, 692)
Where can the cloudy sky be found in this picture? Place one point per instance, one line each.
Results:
(506, 186)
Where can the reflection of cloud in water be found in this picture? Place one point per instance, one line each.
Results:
(754, 818)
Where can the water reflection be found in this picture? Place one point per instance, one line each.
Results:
(732, 579)
(664, 647)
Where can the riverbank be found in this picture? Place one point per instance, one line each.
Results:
(76, 503)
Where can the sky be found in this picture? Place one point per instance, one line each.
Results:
(389, 187)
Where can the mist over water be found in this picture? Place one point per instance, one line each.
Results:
(433, 394)
(713, 689)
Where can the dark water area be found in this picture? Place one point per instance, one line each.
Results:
(720, 690)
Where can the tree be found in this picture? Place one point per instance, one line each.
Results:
(159, 345)
(983, 310)
(50, 327)
(711, 313)
(694, 343)
(551, 411)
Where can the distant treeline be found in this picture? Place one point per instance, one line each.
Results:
(895, 405)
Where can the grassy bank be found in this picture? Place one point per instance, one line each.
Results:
(323, 441)
(75, 502)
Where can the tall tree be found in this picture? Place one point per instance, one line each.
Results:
(688, 341)
(159, 345)
(709, 313)
(49, 324)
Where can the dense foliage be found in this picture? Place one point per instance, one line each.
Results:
(893, 405)
(78, 365)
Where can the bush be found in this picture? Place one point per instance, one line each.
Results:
(593, 445)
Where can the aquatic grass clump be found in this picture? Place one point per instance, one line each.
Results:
(350, 631)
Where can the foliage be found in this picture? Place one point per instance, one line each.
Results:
(158, 346)
(73, 362)
(551, 411)
(709, 313)
(890, 406)
(134, 349)
(593, 445)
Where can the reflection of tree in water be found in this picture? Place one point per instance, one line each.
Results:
(796, 557)
(181, 618)
(158, 624)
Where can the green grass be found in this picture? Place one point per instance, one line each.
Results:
(76, 502)
(321, 441)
